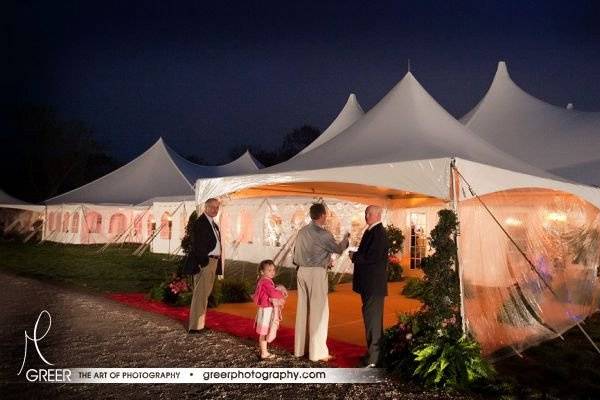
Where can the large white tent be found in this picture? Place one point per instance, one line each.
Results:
(408, 152)
(122, 205)
(404, 144)
(561, 140)
(159, 171)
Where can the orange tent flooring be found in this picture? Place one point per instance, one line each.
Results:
(345, 315)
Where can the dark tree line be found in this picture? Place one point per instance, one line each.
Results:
(293, 142)
(43, 155)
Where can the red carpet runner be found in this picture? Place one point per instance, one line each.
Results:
(347, 355)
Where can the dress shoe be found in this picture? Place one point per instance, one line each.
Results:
(325, 359)
(195, 331)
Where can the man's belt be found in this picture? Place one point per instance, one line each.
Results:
(215, 257)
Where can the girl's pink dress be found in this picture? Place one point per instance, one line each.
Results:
(270, 302)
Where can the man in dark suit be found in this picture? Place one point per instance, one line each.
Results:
(204, 262)
(370, 279)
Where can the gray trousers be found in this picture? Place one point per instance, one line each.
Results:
(312, 314)
(203, 285)
(372, 310)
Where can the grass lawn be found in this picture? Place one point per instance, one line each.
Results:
(558, 369)
(115, 270)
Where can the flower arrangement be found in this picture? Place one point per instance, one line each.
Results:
(176, 290)
(394, 269)
(395, 241)
(178, 285)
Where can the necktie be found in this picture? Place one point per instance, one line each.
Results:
(217, 233)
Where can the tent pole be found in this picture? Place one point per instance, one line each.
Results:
(454, 194)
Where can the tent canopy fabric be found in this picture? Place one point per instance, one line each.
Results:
(8, 201)
(406, 142)
(560, 140)
(351, 112)
(159, 171)
(407, 124)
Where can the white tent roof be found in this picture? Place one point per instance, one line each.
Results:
(404, 143)
(351, 112)
(7, 201)
(407, 124)
(565, 142)
(159, 171)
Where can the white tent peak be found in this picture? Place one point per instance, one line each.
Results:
(406, 124)
(502, 70)
(547, 136)
(349, 114)
(159, 171)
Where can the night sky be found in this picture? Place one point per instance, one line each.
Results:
(210, 76)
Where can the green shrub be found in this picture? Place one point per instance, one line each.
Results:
(447, 363)
(394, 272)
(395, 239)
(235, 291)
(396, 344)
(158, 292)
(229, 290)
(216, 296)
(414, 288)
(184, 299)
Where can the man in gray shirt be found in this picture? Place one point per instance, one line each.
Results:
(312, 252)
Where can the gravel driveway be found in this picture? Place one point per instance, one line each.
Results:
(91, 331)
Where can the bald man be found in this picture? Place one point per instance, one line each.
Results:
(370, 279)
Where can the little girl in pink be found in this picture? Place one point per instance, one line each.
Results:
(269, 300)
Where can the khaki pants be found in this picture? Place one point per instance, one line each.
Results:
(203, 285)
(312, 314)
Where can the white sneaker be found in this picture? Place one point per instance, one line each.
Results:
(370, 366)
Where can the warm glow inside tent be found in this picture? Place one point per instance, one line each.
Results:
(409, 154)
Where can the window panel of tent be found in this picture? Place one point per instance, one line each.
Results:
(333, 224)
(272, 228)
(51, 221)
(245, 227)
(356, 229)
(166, 225)
(117, 224)
(418, 238)
(182, 224)
(65, 222)
(137, 225)
(57, 221)
(94, 222)
(75, 223)
(151, 225)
